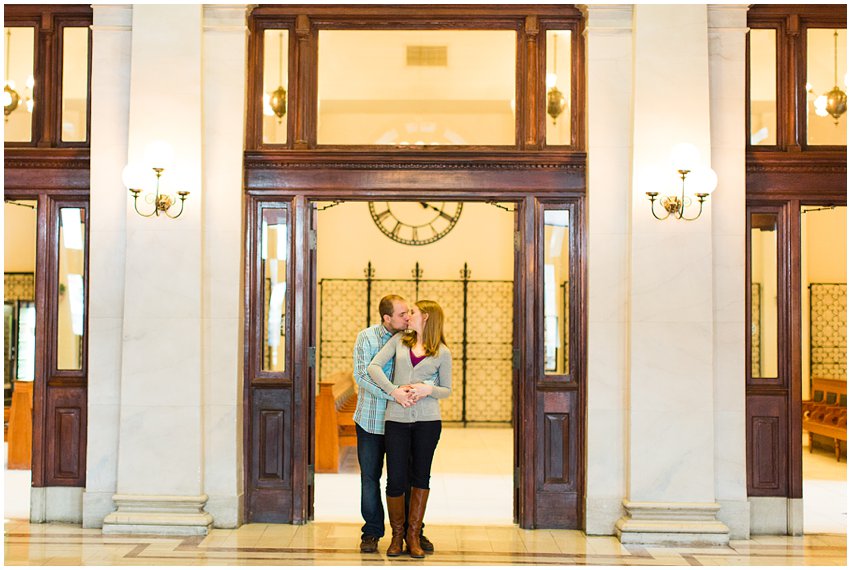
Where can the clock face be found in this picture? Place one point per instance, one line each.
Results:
(415, 223)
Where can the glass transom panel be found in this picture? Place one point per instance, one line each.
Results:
(417, 87)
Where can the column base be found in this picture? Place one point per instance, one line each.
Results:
(158, 514)
(672, 524)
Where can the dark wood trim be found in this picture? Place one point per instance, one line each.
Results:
(48, 20)
(791, 22)
(59, 397)
(305, 22)
(354, 13)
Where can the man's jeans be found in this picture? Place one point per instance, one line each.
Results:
(371, 460)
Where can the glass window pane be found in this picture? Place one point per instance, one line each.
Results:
(75, 83)
(25, 353)
(827, 78)
(763, 78)
(72, 298)
(273, 252)
(275, 86)
(764, 295)
(557, 93)
(556, 291)
(417, 87)
(18, 99)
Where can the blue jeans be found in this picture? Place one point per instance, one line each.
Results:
(371, 460)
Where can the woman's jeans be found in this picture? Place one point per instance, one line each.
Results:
(409, 446)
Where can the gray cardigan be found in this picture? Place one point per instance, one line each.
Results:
(435, 370)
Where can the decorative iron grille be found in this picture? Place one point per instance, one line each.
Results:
(478, 330)
(828, 333)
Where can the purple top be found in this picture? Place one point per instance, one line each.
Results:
(416, 359)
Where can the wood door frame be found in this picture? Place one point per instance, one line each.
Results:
(781, 178)
(55, 391)
(530, 181)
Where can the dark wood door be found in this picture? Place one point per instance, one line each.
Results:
(60, 392)
(279, 404)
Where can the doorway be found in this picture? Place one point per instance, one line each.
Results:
(824, 367)
(461, 255)
(19, 352)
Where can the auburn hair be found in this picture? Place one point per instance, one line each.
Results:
(432, 329)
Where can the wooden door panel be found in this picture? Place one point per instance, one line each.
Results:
(271, 455)
(66, 436)
(767, 426)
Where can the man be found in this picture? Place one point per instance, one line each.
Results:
(369, 417)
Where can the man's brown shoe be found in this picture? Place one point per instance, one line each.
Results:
(369, 543)
(426, 544)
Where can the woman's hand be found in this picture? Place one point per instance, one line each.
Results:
(420, 390)
(404, 396)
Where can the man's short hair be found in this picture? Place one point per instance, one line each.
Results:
(385, 306)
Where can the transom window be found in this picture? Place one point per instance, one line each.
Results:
(396, 77)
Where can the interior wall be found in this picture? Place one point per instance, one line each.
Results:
(824, 250)
(348, 239)
(19, 233)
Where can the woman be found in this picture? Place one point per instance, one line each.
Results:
(423, 364)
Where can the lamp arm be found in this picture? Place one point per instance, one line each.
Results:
(652, 196)
(701, 200)
(177, 215)
(136, 207)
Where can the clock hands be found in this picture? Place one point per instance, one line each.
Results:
(443, 214)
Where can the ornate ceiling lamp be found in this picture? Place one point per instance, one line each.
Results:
(555, 98)
(11, 99)
(835, 101)
(278, 97)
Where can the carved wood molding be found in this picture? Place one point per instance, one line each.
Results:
(358, 161)
(807, 162)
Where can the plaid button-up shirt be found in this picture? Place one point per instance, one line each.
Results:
(372, 400)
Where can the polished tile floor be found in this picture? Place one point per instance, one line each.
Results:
(336, 544)
(473, 464)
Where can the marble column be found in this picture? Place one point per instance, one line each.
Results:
(225, 44)
(608, 39)
(727, 32)
(670, 394)
(160, 461)
(109, 129)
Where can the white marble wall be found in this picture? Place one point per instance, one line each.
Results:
(225, 43)
(727, 32)
(110, 93)
(608, 35)
(670, 329)
(160, 432)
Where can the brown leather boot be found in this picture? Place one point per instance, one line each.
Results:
(396, 513)
(416, 512)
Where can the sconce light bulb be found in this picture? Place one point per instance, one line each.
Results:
(134, 176)
(551, 80)
(10, 83)
(30, 82)
(267, 108)
(702, 180)
(809, 87)
(685, 156)
(159, 154)
(7, 98)
(821, 103)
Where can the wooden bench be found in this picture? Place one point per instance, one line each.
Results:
(826, 412)
(335, 427)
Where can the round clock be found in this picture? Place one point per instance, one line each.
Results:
(415, 223)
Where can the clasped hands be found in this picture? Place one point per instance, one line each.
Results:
(408, 395)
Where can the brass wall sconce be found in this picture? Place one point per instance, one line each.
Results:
(686, 159)
(159, 154)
